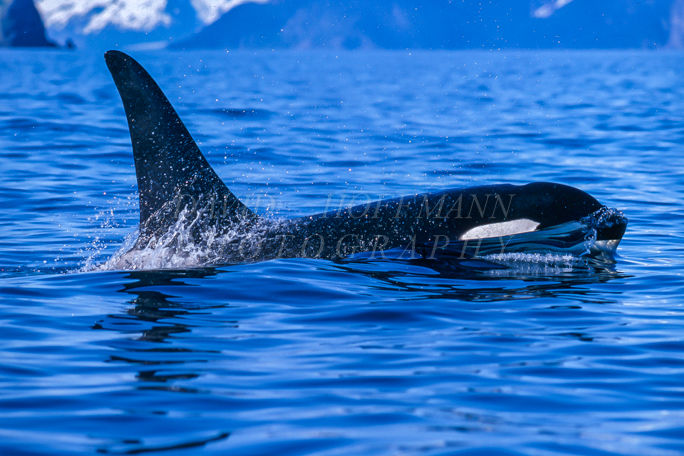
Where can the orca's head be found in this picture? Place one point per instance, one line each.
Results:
(558, 204)
(546, 216)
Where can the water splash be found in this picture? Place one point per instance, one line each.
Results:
(191, 243)
(606, 217)
(113, 226)
(551, 259)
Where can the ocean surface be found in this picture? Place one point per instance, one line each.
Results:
(355, 357)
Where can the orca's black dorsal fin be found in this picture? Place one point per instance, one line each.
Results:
(168, 163)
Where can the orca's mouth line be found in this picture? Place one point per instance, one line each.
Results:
(189, 217)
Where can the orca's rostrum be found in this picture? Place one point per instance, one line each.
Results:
(187, 211)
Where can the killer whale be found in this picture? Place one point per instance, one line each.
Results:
(187, 210)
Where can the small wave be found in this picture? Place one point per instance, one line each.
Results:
(534, 264)
(257, 114)
(550, 259)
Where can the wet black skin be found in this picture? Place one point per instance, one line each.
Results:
(172, 174)
(426, 220)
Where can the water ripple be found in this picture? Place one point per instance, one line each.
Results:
(358, 356)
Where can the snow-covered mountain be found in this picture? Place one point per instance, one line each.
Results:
(138, 15)
(365, 23)
(110, 23)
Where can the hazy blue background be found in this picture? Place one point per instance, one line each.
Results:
(355, 24)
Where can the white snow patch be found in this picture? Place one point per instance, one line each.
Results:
(210, 10)
(141, 15)
(548, 9)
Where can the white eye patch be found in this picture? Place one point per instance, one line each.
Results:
(500, 229)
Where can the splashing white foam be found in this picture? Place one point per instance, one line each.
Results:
(550, 259)
(177, 248)
(534, 264)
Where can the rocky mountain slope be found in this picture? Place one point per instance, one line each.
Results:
(21, 25)
(440, 24)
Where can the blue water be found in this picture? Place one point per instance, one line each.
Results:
(312, 357)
